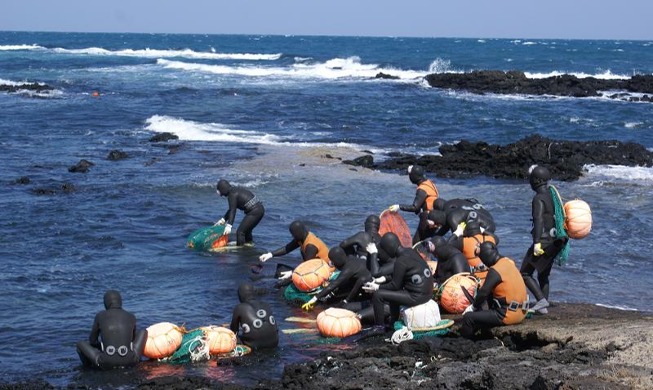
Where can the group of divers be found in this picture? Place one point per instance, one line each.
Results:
(378, 276)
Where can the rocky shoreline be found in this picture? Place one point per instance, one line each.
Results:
(575, 346)
(565, 159)
(516, 82)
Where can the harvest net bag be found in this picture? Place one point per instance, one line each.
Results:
(298, 297)
(206, 238)
(563, 255)
(193, 348)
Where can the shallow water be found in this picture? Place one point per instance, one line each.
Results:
(269, 124)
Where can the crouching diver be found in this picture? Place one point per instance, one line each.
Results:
(353, 275)
(114, 340)
(254, 319)
(451, 261)
(504, 291)
(411, 284)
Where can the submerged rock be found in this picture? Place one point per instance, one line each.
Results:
(81, 167)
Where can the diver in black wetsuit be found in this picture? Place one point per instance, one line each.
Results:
(254, 319)
(451, 261)
(114, 340)
(358, 243)
(242, 199)
(353, 275)
(411, 284)
(448, 214)
(425, 197)
(545, 246)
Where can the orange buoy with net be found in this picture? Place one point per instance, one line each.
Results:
(163, 339)
(578, 219)
(310, 275)
(336, 322)
(451, 296)
(219, 339)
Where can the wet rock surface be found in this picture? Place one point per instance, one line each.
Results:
(564, 159)
(516, 82)
(575, 346)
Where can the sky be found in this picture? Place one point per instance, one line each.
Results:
(554, 19)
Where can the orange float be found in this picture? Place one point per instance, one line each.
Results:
(336, 322)
(220, 339)
(451, 296)
(310, 275)
(163, 339)
(578, 219)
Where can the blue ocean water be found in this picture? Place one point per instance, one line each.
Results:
(265, 112)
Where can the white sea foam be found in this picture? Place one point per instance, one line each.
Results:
(633, 125)
(619, 174)
(216, 132)
(20, 47)
(605, 75)
(17, 83)
(336, 68)
(184, 53)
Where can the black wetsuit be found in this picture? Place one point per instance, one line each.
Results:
(353, 275)
(114, 340)
(254, 319)
(543, 232)
(242, 199)
(411, 285)
(451, 261)
(465, 210)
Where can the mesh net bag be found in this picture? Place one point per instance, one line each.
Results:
(206, 238)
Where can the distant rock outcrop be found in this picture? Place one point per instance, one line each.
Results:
(516, 82)
(565, 159)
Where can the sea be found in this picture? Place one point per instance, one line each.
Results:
(274, 114)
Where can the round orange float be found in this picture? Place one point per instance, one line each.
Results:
(451, 295)
(336, 322)
(578, 219)
(163, 339)
(310, 275)
(219, 339)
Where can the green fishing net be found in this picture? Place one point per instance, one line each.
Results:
(297, 297)
(563, 255)
(205, 238)
(193, 348)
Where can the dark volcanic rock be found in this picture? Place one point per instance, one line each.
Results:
(82, 166)
(115, 155)
(22, 180)
(565, 159)
(163, 137)
(515, 82)
(27, 86)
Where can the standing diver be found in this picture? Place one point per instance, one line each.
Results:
(424, 201)
(114, 341)
(242, 199)
(504, 291)
(411, 284)
(254, 319)
(545, 246)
